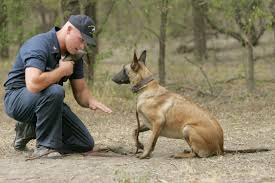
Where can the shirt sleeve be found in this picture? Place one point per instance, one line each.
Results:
(33, 55)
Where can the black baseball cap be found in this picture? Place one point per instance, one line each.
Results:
(86, 26)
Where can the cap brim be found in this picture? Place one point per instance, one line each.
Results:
(89, 40)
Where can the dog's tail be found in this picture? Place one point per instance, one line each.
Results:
(256, 150)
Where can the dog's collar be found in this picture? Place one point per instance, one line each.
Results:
(141, 84)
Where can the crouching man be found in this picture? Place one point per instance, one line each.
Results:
(34, 94)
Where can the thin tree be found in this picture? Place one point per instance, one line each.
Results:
(198, 14)
(251, 25)
(46, 13)
(160, 36)
(90, 9)
(162, 40)
(19, 11)
(4, 46)
(70, 7)
(272, 10)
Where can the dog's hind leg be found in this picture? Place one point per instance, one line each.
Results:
(157, 127)
(185, 153)
(196, 142)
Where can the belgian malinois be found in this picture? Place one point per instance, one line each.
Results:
(171, 115)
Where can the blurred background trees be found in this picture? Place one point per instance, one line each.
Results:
(190, 25)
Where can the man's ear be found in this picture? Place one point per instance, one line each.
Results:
(69, 29)
(142, 57)
(135, 64)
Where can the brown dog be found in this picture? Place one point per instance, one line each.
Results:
(170, 115)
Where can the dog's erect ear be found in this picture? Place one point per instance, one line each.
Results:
(135, 64)
(142, 57)
(135, 57)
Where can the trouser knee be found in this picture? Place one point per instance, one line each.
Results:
(88, 146)
(55, 92)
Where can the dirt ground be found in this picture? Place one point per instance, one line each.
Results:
(247, 124)
(248, 121)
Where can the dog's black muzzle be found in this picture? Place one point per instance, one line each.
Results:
(121, 77)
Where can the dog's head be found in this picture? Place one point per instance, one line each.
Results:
(133, 72)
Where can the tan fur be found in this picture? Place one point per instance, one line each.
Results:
(171, 115)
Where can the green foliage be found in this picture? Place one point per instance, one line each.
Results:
(250, 10)
(132, 22)
(24, 19)
(129, 19)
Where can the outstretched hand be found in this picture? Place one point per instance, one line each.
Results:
(94, 105)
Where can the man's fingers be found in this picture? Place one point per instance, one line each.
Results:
(105, 109)
(101, 106)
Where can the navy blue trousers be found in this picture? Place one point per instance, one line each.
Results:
(57, 127)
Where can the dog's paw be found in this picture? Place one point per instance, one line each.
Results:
(138, 152)
(143, 156)
(140, 146)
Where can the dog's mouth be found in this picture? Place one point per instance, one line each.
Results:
(121, 77)
(120, 81)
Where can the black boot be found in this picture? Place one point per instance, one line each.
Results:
(24, 133)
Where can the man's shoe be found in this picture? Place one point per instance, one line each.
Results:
(44, 152)
(24, 133)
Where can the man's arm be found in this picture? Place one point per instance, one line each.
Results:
(84, 98)
(36, 80)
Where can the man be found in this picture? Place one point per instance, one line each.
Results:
(34, 93)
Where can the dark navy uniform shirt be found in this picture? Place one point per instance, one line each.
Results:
(43, 52)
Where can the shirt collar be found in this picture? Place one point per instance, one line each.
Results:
(55, 48)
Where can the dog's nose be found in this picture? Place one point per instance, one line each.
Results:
(114, 80)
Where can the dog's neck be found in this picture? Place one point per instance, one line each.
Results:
(141, 84)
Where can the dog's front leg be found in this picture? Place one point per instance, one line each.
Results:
(157, 127)
(142, 128)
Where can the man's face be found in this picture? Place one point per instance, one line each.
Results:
(74, 40)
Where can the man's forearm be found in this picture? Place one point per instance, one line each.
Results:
(83, 98)
(44, 80)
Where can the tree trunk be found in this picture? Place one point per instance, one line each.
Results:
(162, 41)
(70, 7)
(250, 69)
(90, 10)
(198, 13)
(19, 21)
(47, 17)
(60, 12)
(272, 10)
(4, 46)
